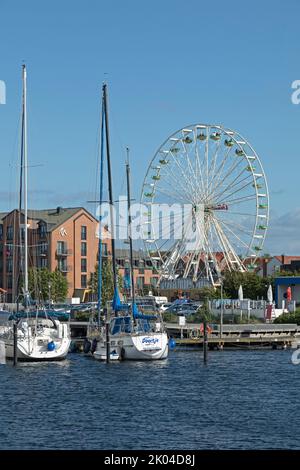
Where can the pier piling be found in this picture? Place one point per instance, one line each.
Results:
(205, 341)
(15, 344)
(107, 342)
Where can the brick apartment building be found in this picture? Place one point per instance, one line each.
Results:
(145, 272)
(61, 238)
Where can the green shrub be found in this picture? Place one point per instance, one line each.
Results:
(289, 317)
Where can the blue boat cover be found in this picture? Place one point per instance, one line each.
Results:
(138, 315)
(117, 304)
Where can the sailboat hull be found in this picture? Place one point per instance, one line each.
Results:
(35, 352)
(37, 341)
(135, 347)
(146, 347)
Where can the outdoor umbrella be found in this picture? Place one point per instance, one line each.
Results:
(240, 293)
(241, 297)
(270, 294)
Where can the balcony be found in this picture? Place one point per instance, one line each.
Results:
(64, 268)
(63, 252)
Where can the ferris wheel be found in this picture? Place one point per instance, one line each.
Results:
(214, 177)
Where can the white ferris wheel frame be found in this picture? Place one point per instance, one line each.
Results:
(150, 187)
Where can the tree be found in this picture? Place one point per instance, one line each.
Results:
(42, 282)
(208, 293)
(58, 286)
(107, 281)
(253, 285)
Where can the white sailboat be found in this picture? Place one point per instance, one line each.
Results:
(133, 335)
(40, 337)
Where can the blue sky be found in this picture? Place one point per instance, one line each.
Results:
(168, 64)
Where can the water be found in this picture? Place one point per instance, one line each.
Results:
(240, 400)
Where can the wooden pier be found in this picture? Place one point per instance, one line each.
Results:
(236, 336)
(256, 335)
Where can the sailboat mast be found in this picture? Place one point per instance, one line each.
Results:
(129, 229)
(25, 162)
(19, 243)
(100, 217)
(111, 201)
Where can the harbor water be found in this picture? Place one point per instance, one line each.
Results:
(239, 400)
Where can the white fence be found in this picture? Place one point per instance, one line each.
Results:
(244, 308)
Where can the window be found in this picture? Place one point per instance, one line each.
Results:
(140, 282)
(9, 282)
(43, 230)
(62, 265)
(9, 265)
(83, 232)
(83, 249)
(1, 231)
(153, 281)
(43, 263)
(83, 281)
(61, 248)
(10, 232)
(83, 265)
(104, 249)
(43, 249)
(9, 250)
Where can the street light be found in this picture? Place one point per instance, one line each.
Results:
(49, 292)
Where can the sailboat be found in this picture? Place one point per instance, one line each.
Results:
(128, 333)
(40, 337)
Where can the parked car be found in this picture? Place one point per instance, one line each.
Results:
(183, 309)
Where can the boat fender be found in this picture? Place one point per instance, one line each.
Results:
(51, 346)
(86, 346)
(73, 347)
(172, 343)
(94, 346)
(122, 354)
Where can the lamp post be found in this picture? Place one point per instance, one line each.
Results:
(49, 292)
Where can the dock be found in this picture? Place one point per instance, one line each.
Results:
(256, 335)
(237, 336)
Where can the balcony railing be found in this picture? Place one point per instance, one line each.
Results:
(64, 268)
(63, 252)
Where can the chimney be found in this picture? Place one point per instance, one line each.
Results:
(282, 259)
(58, 210)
